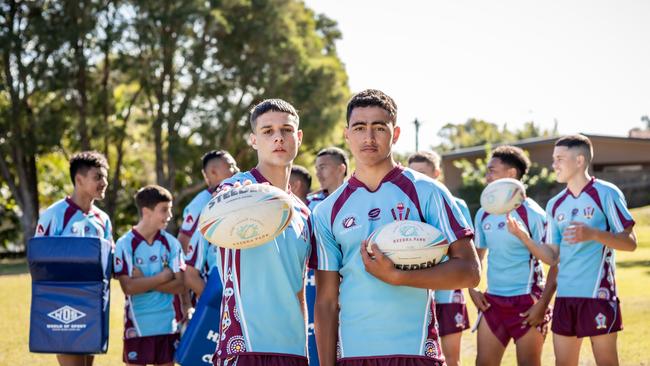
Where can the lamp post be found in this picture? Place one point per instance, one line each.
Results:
(417, 134)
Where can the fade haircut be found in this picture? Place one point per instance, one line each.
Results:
(219, 154)
(430, 157)
(81, 163)
(513, 157)
(579, 142)
(373, 98)
(272, 105)
(151, 195)
(338, 154)
(303, 174)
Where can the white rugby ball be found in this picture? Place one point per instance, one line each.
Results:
(503, 196)
(410, 244)
(246, 216)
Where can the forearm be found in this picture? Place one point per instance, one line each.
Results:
(452, 274)
(326, 329)
(625, 240)
(175, 286)
(184, 240)
(550, 287)
(139, 285)
(194, 281)
(545, 252)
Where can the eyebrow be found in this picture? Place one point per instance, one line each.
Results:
(383, 123)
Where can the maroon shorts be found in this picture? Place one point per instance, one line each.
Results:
(585, 317)
(261, 359)
(504, 320)
(452, 318)
(397, 360)
(156, 349)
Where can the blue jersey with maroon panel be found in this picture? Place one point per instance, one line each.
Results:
(512, 269)
(65, 218)
(314, 199)
(153, 312)
(375, 318)
(587, 269)
(262, 308)
(454, 296)
(193, 210)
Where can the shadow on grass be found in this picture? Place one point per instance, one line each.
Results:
(13, 266)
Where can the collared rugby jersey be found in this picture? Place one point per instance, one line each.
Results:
(375, 318)
(512, 269)
(153, 312)
(587, 269)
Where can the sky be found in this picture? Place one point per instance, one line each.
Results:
(585, 64)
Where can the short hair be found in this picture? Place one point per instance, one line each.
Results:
(430, 157)
(302, 173)
(272, 105)
(151, 195)
(580, 142)
(338, 154)
(514, 157)
(219, 154)
(373, 98)
(83, 161)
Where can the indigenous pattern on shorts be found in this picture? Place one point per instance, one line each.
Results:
(512, 269)
(587, 269)
(263, 288)
(65, 218)
(377, 318)
(152, 312)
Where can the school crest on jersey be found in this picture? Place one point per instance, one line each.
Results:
(588, 212)
(601, 321)
(560, 217)
(400, 212)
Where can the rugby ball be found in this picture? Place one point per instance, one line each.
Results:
(410, 244)
(503, 196)
(246, 216)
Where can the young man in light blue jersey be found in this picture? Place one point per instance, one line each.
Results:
(331, 169)
(587, 222)
(217, 166)
(148, 262)
(451, 311)
(515, 304)
(77, 215)
(367, 311)
(262, 309)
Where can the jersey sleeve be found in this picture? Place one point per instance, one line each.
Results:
(444, 214)
(121, 259)
(46, 224)
(553, 234)
(618, 215)
(189, 220)
(465, 211)
(196, 251)
(176, 261)
(537, 225)
(329, 252)
(479, 235)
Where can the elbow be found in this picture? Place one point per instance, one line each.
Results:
(473, 277)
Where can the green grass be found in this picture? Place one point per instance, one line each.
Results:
(633, 276)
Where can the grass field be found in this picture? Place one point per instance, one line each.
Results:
(633, 275)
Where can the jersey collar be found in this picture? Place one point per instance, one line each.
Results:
(391, 175)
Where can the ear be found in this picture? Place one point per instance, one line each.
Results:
(396, 132)
(299, 132)
(436, 173)
(345, 134)
(512, 173)
(253, 140)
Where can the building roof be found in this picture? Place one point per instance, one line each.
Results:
(471, 151)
